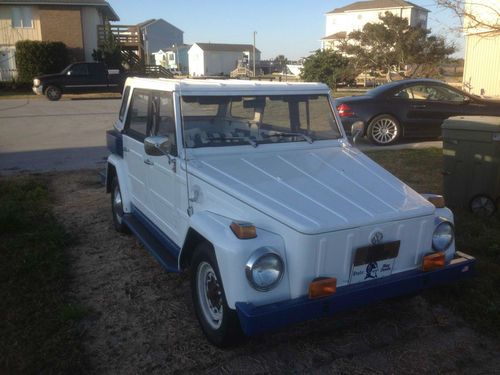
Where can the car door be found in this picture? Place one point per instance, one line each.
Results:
(137, 128)
(429, 105)
(77, 78)
(165, 178)
(97, 79)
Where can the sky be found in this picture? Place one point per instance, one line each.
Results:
(288, 27)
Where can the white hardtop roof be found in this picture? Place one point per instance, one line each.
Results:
(228, 87)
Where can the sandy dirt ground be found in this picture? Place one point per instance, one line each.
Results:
(141, 319)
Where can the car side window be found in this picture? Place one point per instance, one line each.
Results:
(123, 108)
(417, 92)
(138, 124)
(164, 118)
(79, 70)
(442, 93)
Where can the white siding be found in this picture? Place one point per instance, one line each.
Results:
(7, 64)
(356, 20)
(482, 65)
(196, 61)
(90, 19)
(10, 35)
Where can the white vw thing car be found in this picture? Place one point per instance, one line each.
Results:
(256, 190)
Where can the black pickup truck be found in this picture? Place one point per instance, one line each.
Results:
(80, 77)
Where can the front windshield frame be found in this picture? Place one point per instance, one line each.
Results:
(251, 128)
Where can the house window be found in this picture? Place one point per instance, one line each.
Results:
(22, 17)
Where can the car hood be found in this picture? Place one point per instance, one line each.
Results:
(314, 190)
(45, 76)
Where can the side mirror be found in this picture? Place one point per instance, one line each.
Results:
(157, 146)
(357, 130)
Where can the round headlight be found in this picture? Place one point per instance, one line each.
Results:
(264, 269)
(443, 236)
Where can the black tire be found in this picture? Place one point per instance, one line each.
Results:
(53, 93)
(384, 130)
(220, 325)
(117, 207)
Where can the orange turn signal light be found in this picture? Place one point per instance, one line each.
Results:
(433, 261)
(322, 287)
(243, 230)
(437, 201)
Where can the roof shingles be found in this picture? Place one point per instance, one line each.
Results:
(376, 4)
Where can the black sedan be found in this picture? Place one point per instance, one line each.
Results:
(410, 108)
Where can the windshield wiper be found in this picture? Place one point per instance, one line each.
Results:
(286, 134)
(246, 139)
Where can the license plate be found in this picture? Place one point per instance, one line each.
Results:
(374, 262)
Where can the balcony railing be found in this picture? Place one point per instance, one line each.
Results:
(126, 35)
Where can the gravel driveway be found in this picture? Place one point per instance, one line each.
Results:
(141, 319)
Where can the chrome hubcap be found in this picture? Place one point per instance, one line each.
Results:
(209, 295)
(117, 204)
(384, 131)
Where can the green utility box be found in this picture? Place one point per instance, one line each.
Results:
(471, 153)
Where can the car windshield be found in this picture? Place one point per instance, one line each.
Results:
(213, 121)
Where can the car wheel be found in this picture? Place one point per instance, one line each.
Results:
(219, 323)
(483, 206)
(117, 207)
(53, 93)
(384, 130)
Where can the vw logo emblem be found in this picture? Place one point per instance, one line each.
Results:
(377, 238)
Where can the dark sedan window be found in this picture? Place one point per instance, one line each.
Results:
(433, 93)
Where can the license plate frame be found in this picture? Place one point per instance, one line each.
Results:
(373, 262)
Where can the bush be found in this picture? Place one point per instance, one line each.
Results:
(328, 67)
(34, 57)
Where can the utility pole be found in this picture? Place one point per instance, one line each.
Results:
(254, 33)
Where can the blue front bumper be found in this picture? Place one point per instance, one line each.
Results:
(259, 319)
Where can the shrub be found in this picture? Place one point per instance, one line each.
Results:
(34, 57)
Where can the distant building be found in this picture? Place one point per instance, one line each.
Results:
(73, 22)
(175, 57)
(342, 21)
(482, 48)
(158, 33)
(139, 42)
(213, 59)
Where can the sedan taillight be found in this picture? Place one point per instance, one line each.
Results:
(345, 111)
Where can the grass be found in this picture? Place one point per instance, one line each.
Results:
(477, 300)
(37, 323)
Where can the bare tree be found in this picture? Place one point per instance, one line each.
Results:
(479, 15)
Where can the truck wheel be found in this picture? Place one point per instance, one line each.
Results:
(117, 207)
(219, 323)
(53, 93)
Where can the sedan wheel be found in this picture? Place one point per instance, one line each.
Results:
(384, 130)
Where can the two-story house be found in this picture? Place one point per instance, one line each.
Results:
(73, 22)
(342, 21)
(482, 47)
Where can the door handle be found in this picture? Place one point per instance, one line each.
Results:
(419, 106)
(148, 162)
